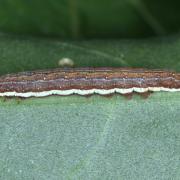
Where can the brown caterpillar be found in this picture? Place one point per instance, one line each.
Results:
(87, 81)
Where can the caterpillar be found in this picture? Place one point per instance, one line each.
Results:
(87, 81)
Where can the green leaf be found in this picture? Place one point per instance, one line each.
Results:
(19, 53)
(77, 137)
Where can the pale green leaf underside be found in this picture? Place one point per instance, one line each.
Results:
(76, 137)
(90, 138)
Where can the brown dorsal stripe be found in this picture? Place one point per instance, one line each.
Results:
(92, 80)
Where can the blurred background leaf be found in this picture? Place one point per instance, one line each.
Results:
(90, 18)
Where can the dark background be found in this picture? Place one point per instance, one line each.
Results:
(82, 19)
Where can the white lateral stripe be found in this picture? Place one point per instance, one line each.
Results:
(87, 92)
